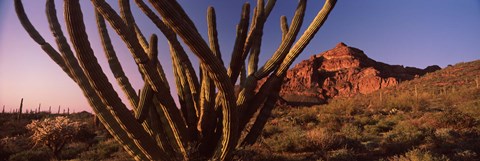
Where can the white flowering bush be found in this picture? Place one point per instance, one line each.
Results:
(54, 133)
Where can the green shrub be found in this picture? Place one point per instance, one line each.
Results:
(343, 154)
(404, 136)
(351, 132)
(41, 154)
(419, 155)
(292, 139)
(101, 151)
(320, 139)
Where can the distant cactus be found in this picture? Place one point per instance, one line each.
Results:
(211, 118)
(58, 112)
(19, 116)
(3, 110)
(477, 82)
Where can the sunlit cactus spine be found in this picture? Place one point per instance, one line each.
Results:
(212, 120)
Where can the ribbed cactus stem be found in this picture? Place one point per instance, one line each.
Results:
(113, 61)
(247, 91)
(79, 39)
(98, 107)
(264, 113)
(286, 43)
(284, 26)
(307, 36)
(242, 31)
(206, 124)
(27, 25)
(170, 11)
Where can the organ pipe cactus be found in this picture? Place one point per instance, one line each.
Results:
(211, 120)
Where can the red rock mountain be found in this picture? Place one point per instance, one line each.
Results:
(342, 71)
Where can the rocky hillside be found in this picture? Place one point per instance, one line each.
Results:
(342, 71)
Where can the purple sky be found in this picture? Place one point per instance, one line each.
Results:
(409, 32)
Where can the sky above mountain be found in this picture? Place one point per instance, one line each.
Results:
(409, 32)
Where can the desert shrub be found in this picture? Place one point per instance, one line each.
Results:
(73, 150)
(404, 136)
(302, 116)
(402, 101)
(292, 139)
(54, 133)
(101, 151)
(466, 155)
(256, 152)
(330, 121)
(419, 155)
(362, 120)
(456, 119)
(14, 127)
(40, 154)
(12, 145)
(320, 139)
(343, 154)
(270, 130)
(351, 131)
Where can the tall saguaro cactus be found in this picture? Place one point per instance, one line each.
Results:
(211, 120)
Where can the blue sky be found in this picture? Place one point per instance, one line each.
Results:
(408, 32)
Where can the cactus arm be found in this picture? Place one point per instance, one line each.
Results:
(207, 100)
(255, 27)
(247, 92)
(27, 25)
(261, 16)
(264, 114)
(184, 92)
(253, 57)
(212, 32)
(257, 101)
(172, 14)
(144, 103)
(280, 73)
(153, 56)
(172, 38)
(103, 114)
(269, 7)
(284, 26)
(126, 14)
(307, 36)
(242, 31)
(169, 109)
(113, 62)
(286, 44)
(79, 39)
(255, 32)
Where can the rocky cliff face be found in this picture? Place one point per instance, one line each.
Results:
(342, 71)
